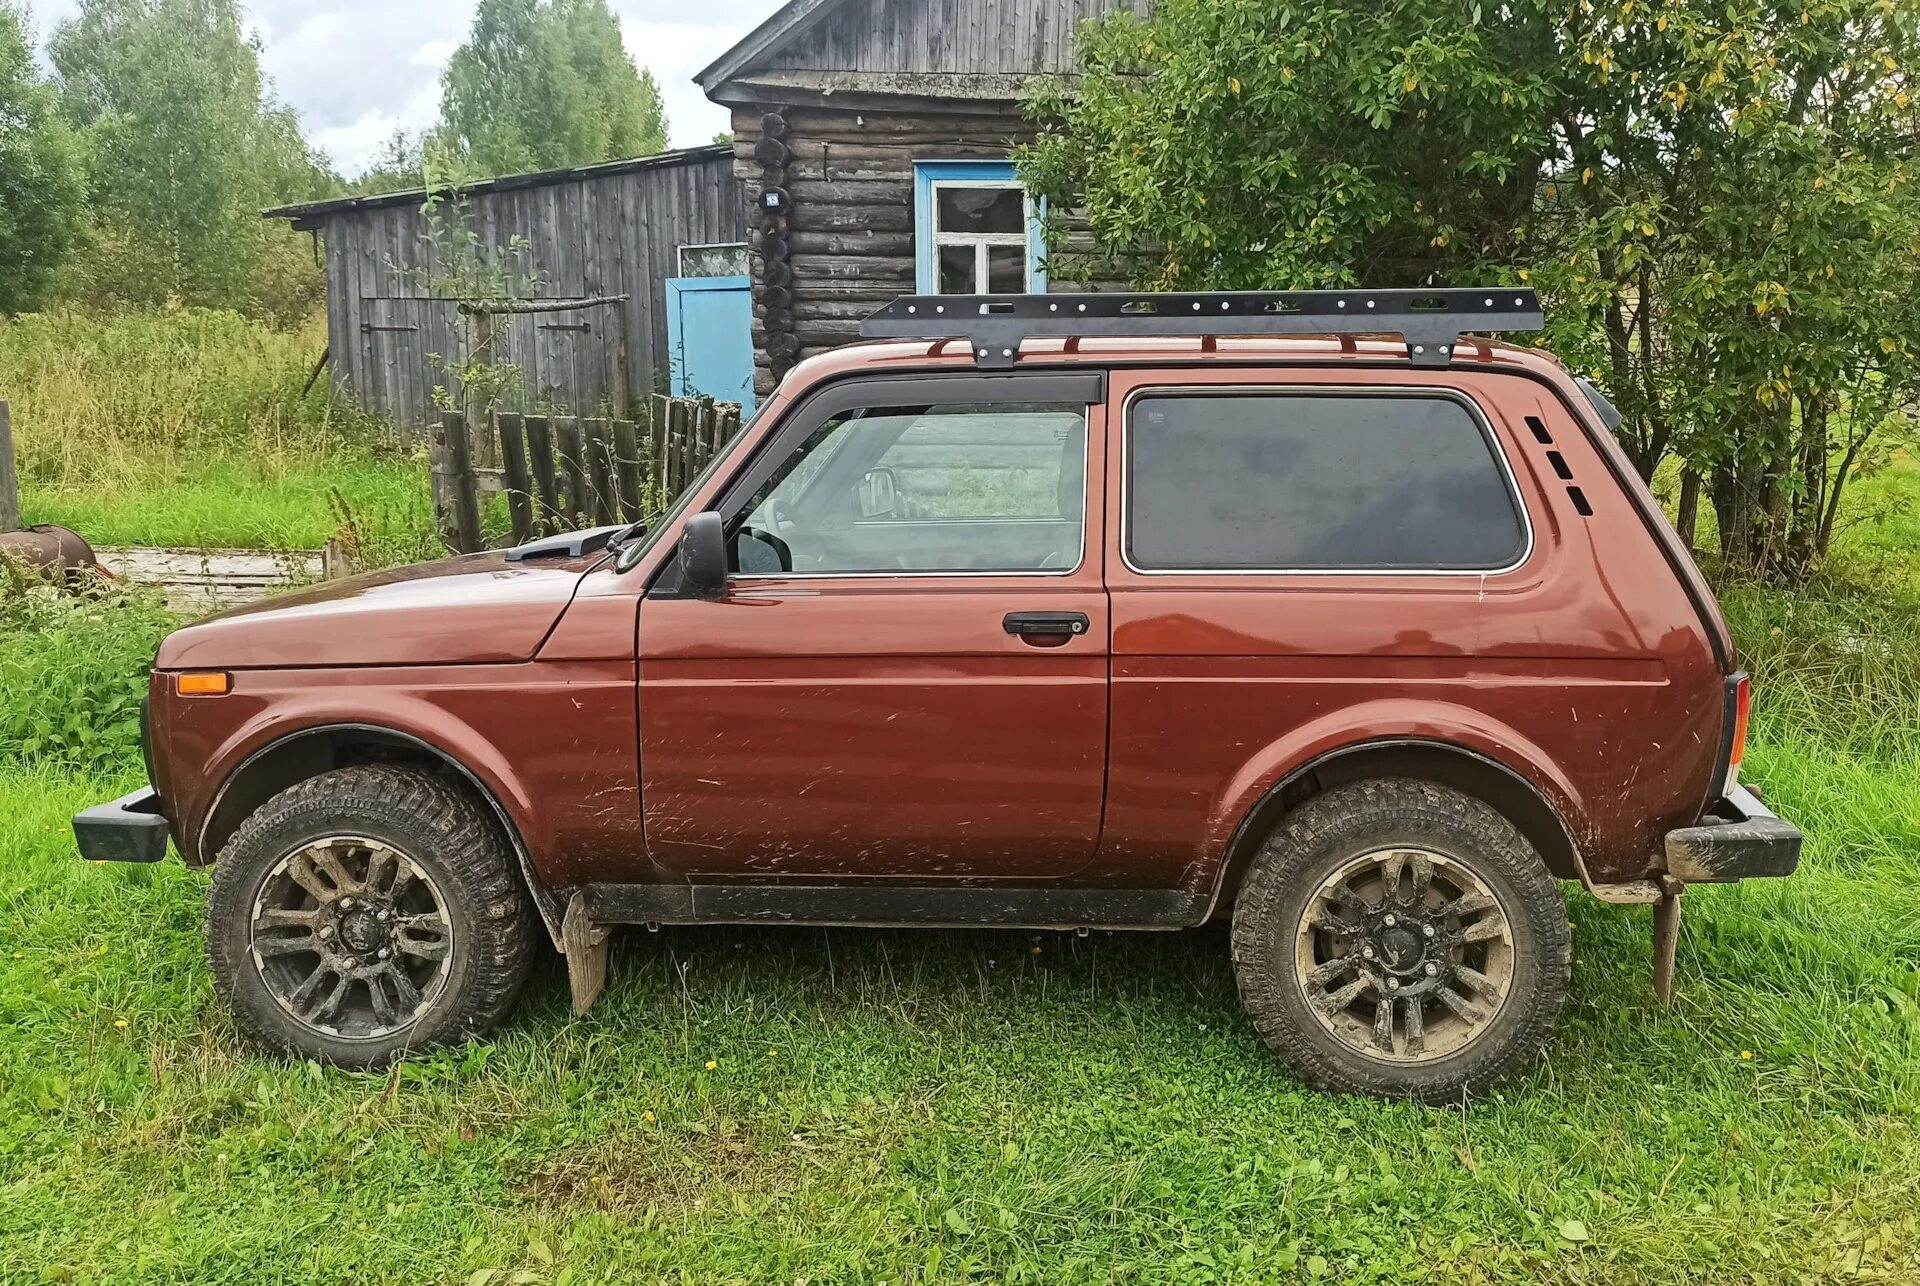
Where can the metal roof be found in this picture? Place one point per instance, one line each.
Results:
(314, 210)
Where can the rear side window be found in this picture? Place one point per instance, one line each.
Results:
(1315, 482)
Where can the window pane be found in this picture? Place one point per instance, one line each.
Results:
(927, 489)
(982, 210)
(1315, 483)
(956, 271)
(713, 261)
(1006, 270)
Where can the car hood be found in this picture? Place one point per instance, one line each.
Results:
(476, 608)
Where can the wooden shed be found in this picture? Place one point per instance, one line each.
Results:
(667, 232)
(872, 138)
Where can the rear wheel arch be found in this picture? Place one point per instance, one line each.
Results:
(299, 756)
(1449, 764)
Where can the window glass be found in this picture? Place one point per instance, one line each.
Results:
(956, 270)
(959, 488)
(714, 260)
(995, 209)
(1006, 270)
(1309, 483)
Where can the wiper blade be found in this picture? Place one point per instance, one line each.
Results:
(632, 531)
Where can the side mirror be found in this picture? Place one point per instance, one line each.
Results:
(878, 494)
(703, 555)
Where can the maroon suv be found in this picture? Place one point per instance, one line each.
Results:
(1116, 612)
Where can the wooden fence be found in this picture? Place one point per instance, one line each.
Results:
(564, 472)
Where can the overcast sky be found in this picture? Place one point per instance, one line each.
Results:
(357, 69)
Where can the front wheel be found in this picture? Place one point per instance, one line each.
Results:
(1402, 939)
(365, 913)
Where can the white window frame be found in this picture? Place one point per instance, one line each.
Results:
(979, 241)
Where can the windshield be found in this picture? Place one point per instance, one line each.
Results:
(630, 554)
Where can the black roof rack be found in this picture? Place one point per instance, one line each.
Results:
(1430, 320)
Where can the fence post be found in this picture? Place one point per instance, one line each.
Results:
(626, 464)
(456, 494)
(566, 434)
(9, 476)
(540, 459)
(659, 409)
(478, 402)
(599, 469)
(513, 467)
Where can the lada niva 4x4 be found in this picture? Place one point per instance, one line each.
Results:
(1309, 612)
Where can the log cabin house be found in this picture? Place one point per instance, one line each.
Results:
(870, 158)
(872, 139)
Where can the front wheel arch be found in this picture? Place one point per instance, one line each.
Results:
(309, 752)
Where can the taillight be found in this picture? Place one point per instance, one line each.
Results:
(1737, 743)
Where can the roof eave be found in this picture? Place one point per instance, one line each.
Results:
(305, 211)
(787, 21)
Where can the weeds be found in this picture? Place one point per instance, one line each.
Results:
(73, 670)
(125, 400)
(197, 428)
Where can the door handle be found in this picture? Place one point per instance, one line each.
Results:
(1044, 624)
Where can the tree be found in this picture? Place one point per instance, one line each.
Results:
(1714, 197)
(400, 164)
(546, 84)
(42, 174)
(187, 146)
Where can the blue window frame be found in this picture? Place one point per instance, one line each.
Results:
(975, 230)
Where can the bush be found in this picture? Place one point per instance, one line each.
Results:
(73, 668)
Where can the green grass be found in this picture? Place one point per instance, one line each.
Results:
(196, 428)
(1008, 1107)
(230, 504)
(946, 1106)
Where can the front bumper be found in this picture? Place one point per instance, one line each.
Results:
(130, 829)
(1740, 839)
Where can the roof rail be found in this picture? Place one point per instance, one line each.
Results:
(1430, 320)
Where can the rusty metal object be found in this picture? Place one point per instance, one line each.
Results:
(1666, 937)
(53, 551)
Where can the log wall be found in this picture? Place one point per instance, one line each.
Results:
(849, 228)
(846, 243)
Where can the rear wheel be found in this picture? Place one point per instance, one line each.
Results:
(367, 912)
(1402, 939)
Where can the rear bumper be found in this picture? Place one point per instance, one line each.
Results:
(1740, 839)
(130, 829)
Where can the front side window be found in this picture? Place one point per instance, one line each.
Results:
(928, 489)
(1315, 482)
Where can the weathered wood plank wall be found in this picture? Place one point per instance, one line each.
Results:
(597, 234)
(966, 37)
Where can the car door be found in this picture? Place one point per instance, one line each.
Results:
(907, 674)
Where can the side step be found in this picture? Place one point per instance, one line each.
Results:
(584, 933)
(894, 905)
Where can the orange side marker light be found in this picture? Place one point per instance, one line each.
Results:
(203, 683)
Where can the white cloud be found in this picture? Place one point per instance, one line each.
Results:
(361, 139)
(357, 69)
(673, 52)
(435, 53)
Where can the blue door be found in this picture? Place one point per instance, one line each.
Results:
(710, 338)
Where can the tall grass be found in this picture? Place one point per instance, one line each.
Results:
(128, 399)
(192, 427)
